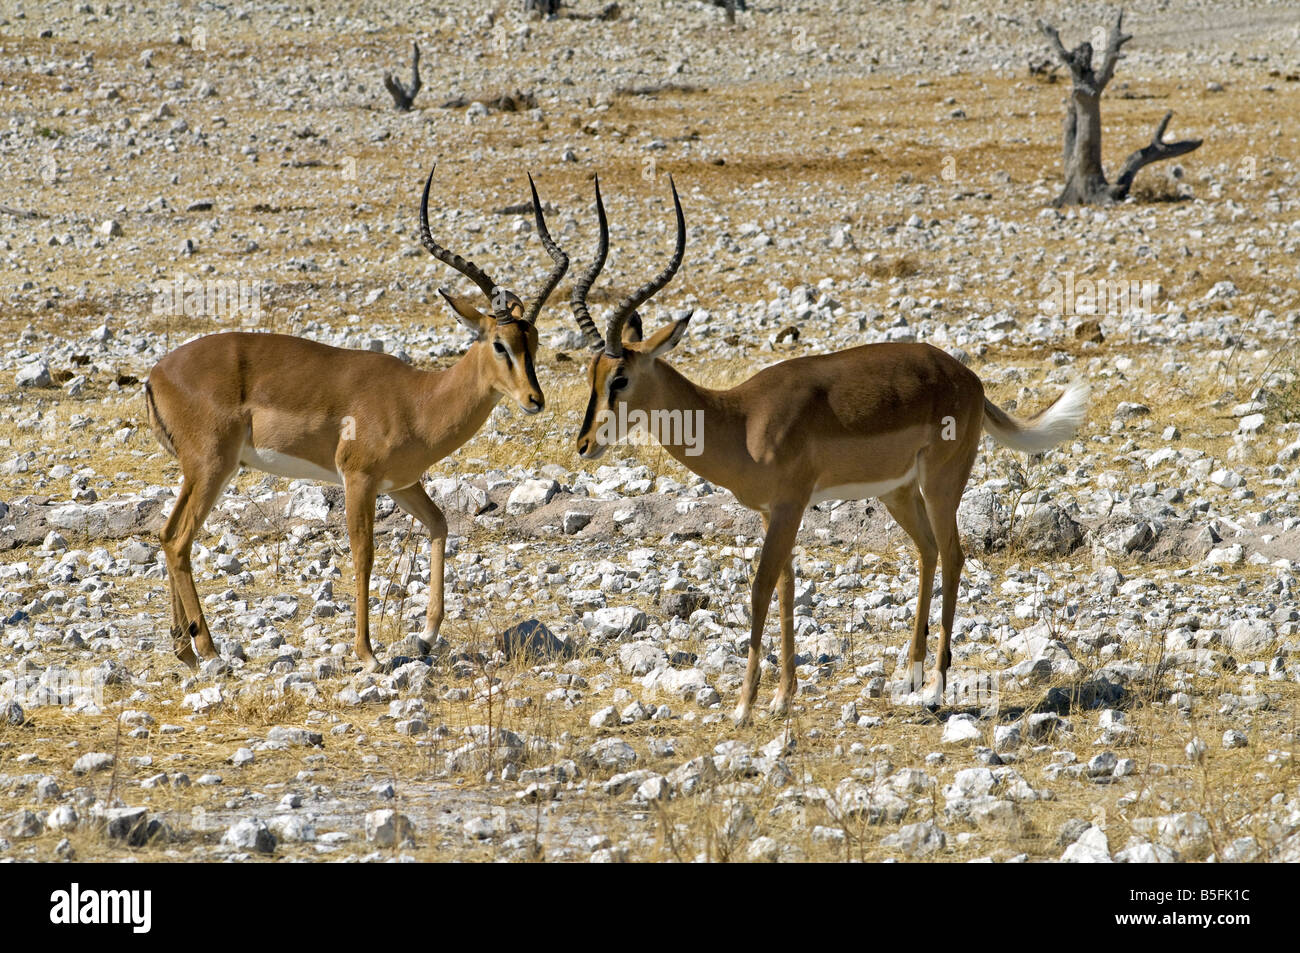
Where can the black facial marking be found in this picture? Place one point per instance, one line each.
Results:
(590, 415)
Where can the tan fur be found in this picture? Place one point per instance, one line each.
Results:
(376, 421)
(875, 415)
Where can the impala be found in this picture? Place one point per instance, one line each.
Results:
(295, 408)
(900, 422)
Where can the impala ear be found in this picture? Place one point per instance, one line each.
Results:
(470, 317)
(633, 332)
(666, 338)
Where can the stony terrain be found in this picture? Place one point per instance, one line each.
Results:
(1128, 644)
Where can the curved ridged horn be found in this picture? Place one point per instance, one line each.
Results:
(557, 255)
(578, 299)
(466, 268)
(614, 330)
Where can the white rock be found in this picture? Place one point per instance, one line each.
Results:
(970, 782)
(615, 622)
(1228, 479)
(613, 753)
(961, 730)
(307, 503)
(684, 683)
(204, 699)
(138, 552)
(1251, 423)
(292, 828)
(918, 840)
(91, 762)
(1146, 853)
(530, 495)
(1092, 847)
(35, 374)
(388, 828)
(1188, 833)
(1233, 555)
(574, 521)
(1250, 636)
(62, 818)
(250, 834)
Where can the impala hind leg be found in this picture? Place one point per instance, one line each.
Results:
(359, 501)
(942, 509)
(907, 508)
(782, 528)
(415, 500)
(942, 489)
(200, 489)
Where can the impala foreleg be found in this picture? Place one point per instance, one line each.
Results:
(415, 501)
(182, 639)
(359, 501)
(782, 528)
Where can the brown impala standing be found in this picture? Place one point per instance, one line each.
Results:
(299, 409)
(899, 422)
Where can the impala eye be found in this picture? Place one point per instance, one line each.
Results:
(617, 383)
(501, 349)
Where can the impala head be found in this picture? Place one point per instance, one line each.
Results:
(622, 367)
(509, 328)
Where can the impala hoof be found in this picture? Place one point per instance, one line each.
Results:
(183, 648)
(780, 706)
(914, 679)
(741, 716)
(371, 666)
(932, 695)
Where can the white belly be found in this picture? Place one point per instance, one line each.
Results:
(295, 468)
(862, 491)
(282, 464)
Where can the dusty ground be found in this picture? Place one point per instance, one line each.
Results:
(897, 161)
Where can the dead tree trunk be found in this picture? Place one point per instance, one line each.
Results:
(731, 6)
(1085, 180)
(403, 96)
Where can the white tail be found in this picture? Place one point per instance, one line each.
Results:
(1044, 430)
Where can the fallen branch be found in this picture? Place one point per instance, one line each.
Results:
(1158, 149)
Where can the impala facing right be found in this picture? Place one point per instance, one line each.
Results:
(897, 421)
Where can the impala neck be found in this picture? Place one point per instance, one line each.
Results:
(716, 425)
(458, 400)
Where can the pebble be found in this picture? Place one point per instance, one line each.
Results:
(91, 762)
(1090, 847)
(389, 828)
(250, 833)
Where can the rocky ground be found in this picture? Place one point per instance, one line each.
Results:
(1128, 641)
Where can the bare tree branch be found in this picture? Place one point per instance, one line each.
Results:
(1051, 33)
(1078, 60)
(1115, 38)
(402, 95)
(1158, 149)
